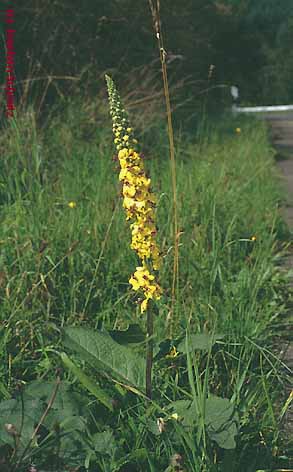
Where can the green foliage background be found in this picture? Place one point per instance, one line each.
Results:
(247, 41)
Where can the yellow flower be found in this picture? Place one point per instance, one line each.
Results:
(138, 201)
(175, 416)
(128, 191)
(173, 353)
(135, 283)
(238, 130)
(123, 153)
(72, 204)
(144, 305)
(253, 238)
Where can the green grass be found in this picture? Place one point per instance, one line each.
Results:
(64, 266)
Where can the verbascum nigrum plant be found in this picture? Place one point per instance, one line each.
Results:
(138, 201)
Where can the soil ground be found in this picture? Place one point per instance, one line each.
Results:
(281, 126)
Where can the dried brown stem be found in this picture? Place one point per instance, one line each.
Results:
(155, 9)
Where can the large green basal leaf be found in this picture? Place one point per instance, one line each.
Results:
(66, 405)
(66, 401)
(22, 420)
(87, 382)
(24, 412)
(102, 352)
(220, 419)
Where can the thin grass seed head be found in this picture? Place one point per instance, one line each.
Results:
(138, 200)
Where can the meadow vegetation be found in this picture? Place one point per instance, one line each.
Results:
(248, 42)
(72, 334)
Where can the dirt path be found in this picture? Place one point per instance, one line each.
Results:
(281, 126)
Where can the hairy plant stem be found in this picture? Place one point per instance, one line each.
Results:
(149, 354)
(155, 10)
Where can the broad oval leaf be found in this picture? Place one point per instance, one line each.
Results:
(87, 382)
(21, 420)
(221, 421)
(219, 418)
(101, 351)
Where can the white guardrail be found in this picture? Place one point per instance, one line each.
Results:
(234, 90)
(236, 109)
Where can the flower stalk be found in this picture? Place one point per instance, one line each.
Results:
(139, 203)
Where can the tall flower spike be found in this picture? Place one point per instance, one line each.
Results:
(138, 201)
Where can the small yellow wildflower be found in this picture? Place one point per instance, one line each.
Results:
(138, 201)
(173, 353)
(238, 130)
(72, 204)
(253, 238)
(175, 416)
